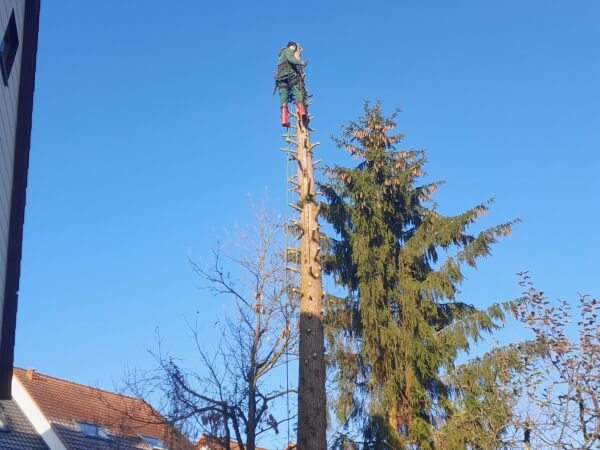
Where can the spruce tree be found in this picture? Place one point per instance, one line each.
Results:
(394, 339)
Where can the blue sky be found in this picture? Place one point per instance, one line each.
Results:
(154, 125)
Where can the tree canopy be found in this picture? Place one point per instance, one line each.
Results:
(395, 337)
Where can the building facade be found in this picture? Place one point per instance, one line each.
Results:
(19, 23)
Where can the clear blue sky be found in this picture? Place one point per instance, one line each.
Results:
(154, 123)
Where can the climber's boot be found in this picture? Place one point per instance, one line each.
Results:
(285, 116)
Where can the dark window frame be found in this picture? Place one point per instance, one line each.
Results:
(8, 48)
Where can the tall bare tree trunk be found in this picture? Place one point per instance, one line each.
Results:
(312, 420)
(251, 428)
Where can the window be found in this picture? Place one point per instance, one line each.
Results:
(3, 422)
(154, 443)
(92, 430)
(8, 48)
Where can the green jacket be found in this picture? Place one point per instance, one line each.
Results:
(287, 64)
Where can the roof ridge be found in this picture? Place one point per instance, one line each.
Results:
(36, 372)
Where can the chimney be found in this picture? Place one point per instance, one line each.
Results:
(30, 374)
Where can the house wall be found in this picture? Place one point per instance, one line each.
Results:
(16, 106)
(9, 97)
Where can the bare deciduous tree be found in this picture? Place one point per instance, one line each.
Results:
(229, 395)
(561, 388)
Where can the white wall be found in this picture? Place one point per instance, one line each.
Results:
(8, 123)
(35, 415)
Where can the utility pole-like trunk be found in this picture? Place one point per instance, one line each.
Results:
(251, 427)
(312, 410)
(252, 381)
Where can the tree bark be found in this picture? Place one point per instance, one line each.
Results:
(312, 421)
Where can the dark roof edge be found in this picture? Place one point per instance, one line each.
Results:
(19, 187)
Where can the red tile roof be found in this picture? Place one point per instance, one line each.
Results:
(64, 401)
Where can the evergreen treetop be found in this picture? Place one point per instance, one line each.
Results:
(395, 337)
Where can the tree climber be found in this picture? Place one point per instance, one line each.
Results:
(289, 78)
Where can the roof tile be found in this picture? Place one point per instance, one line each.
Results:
(64, 402)
(20, 434)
